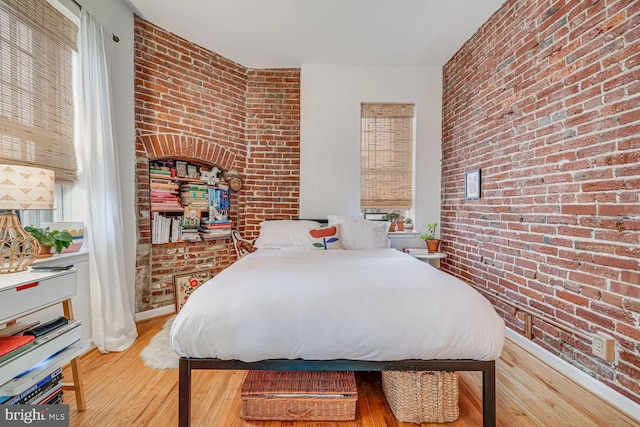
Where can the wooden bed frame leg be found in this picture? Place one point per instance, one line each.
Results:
(184, 393)
(489, 394)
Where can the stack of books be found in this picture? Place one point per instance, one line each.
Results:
(165, 195)
(47, 391)
(219, 198)
(195, 195)
(165, 230)
(215, 229)
(190, 235)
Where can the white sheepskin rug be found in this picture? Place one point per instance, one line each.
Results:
(159, 354)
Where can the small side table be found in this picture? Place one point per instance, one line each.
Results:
(433, 258)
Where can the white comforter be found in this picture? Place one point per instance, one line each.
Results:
(322, 305)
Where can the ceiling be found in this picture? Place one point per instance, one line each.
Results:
(288, 33)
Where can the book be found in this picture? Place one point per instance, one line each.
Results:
(46, 395)
(16, 328)
(191, 217)
(9, 345)
(33, 390)
(47, 327)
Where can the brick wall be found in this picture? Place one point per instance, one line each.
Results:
(273, 144)
(545, 100)
(193, 104)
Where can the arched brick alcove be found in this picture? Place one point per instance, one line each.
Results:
(171, 145)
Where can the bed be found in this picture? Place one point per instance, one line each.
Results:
(368, 309)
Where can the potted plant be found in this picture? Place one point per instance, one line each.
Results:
(50, 238)
(408, 224)
(392, 217)
(430, 237)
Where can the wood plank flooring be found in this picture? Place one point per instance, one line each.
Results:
(122, 391)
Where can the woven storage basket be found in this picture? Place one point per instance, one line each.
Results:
(299, 395)
(422, 396)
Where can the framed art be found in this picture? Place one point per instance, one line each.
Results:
(192, 171)
(187, 283)
(472, 184)
(181, 168)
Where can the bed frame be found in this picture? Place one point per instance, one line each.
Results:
(487, 367)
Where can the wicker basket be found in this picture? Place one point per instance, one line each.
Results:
(299, 395)
(422, 396)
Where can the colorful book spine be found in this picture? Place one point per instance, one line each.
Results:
(29, 393)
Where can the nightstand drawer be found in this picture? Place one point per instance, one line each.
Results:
(32, 296)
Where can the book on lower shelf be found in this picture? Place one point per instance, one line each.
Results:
(13, 345)
(415, 251)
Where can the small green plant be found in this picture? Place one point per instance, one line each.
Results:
(391, 217)
(431, 231)
(408, 221)
(44, 236)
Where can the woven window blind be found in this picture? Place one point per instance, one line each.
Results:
(386, 156)
(36, 87)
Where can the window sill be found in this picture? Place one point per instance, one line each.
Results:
(81, 255)
(403, 234)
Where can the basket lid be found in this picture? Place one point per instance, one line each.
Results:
(299, 382)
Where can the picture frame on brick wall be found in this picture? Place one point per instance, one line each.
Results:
(187, 283)
(472, 184)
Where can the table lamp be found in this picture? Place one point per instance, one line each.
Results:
(21, 187)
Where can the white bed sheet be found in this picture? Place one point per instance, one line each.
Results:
(322, 305)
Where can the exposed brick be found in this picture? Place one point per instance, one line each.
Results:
(196, 105)
(555, 134)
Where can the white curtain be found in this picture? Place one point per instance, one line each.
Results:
(114, 327)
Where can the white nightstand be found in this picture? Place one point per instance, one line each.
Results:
(433, 258)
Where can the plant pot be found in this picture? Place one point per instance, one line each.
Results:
(433, 245)
(408, 227)
(399, 226)
(45, 252)
(392, 227)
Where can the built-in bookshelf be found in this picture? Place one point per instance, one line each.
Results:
(189, 202)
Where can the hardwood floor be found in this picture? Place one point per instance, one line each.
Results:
(122, 391)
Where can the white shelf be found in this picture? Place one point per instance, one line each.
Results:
(434, 255)
(44, 347)
(40, 371)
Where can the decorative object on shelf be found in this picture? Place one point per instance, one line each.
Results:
(429, 237)
(181, 168)
(187, 283)
(472, 184)
(408, 224)
(231, 177)
(210, 176)
(75, 228)
(392, 217)
(192, 171)
(50, 239)
(21, 187)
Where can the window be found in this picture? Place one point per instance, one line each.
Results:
(37, 49)
(36, 87)
(386, 159)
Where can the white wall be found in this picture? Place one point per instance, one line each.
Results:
(330, 134)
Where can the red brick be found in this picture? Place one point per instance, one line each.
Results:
(567, 180)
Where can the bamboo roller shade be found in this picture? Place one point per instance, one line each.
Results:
(386, 156)
(36, 87)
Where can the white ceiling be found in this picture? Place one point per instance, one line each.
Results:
(288, 33)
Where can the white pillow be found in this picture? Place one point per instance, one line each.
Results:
(285, 233)
(358, 233)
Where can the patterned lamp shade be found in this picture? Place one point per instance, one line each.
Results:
(24, 187)
(21, 187)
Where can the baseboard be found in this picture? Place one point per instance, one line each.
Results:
(616, 399)
(156, 312)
